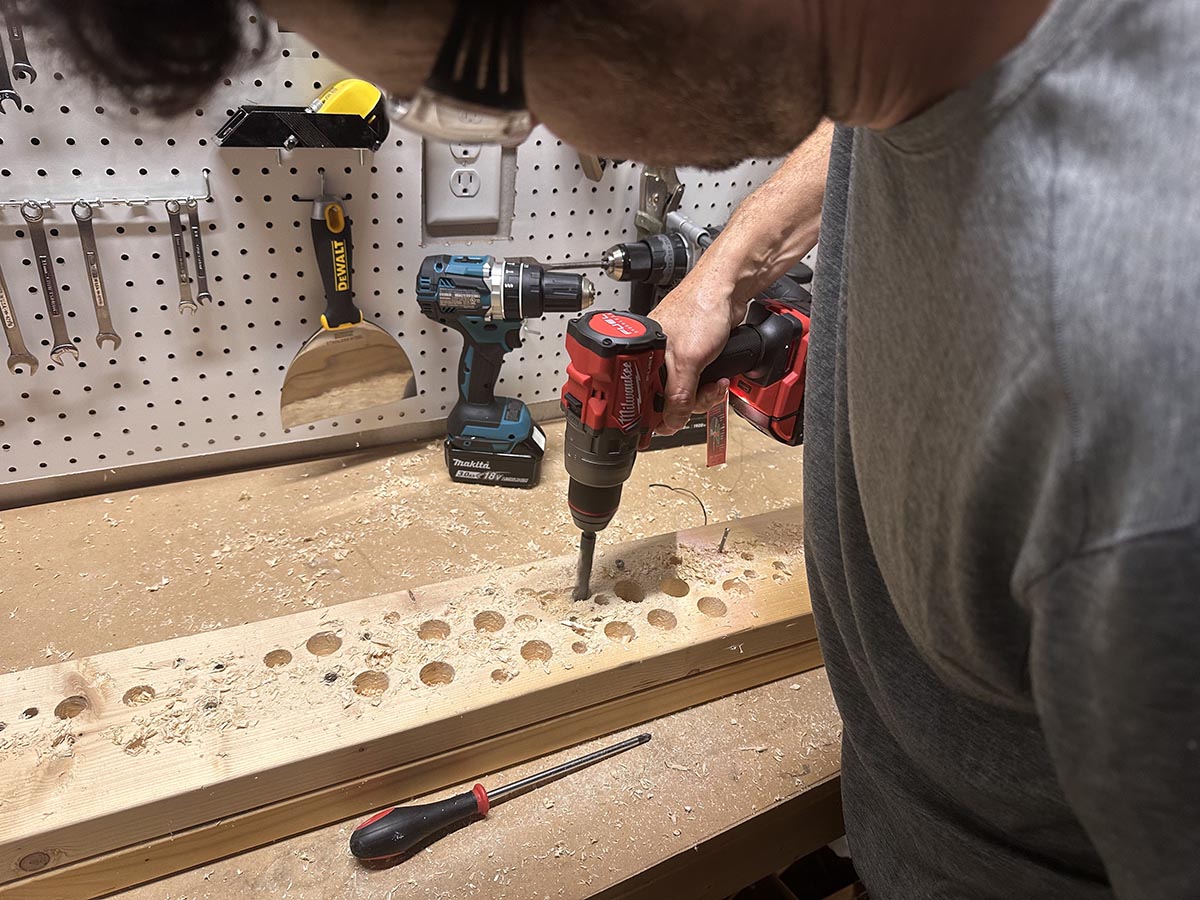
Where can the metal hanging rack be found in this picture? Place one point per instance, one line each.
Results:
(100, 202)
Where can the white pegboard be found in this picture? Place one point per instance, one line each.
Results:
(193, 391)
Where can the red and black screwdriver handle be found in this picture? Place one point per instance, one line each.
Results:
(397, 830)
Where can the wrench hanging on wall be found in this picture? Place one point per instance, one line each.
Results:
(6, 86)
(186, 303)
(19, 354)
(193, 217)
(16, 38)
(82, 210)
(32, 213)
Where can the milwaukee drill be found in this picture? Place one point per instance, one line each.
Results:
(614, 399)
(490, 439)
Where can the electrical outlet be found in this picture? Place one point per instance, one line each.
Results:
(462, 187)
(464, 183)
(466, 153)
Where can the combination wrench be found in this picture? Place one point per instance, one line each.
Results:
(82, 210)
(6, 85)
(16, 37)
(32, 213)
(186, 303)
(193, 218)
(19, 354)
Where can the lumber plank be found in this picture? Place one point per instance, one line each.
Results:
(165, 738)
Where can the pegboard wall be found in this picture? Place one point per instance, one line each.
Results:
(192, 394)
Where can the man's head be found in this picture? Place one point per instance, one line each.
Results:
(699, 82)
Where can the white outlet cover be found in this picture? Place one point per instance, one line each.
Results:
(459, 192)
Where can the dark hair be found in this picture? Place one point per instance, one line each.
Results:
(162, 55)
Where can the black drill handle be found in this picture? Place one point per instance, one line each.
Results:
(742, 354)
(402, 828)
(484, 348)
(334, 249)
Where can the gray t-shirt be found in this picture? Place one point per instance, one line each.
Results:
(1002, 479)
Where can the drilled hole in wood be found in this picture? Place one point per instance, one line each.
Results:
(437, 673)
(371, 684)
(663, 619)
(602, 599)
(433, 630)
(735, 586)
(209, 704)
(712, 606)
(747, 555)
(34, 862)
(536, 651)
(621, 632)
(71, 707)
(675, 587)
(277, 659)
(579, 647)
(501, 675)
(29, 713)
(750, 573)
(489, 621)
(629, 591)
(526, 622)
(136, 696)
(780, 565)
(391, 618)
(323, 643)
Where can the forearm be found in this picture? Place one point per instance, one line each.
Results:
(776, 225)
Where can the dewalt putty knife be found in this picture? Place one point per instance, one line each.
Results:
(349, 364)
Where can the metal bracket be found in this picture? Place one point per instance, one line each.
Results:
(113, 201)
(661, 193)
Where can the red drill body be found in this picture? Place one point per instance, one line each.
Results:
(614, 396)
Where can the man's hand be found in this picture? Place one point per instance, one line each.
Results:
(774, 227)
(697, 317)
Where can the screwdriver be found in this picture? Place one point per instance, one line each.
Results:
(399, 829)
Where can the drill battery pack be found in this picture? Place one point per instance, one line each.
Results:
(520, 467)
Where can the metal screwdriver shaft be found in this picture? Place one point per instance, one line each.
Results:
(583, 571)
(401, 828)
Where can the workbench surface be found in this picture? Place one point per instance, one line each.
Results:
(100, 573)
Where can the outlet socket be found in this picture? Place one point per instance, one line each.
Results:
(464, 183)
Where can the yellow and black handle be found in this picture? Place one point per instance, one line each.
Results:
(335, 249)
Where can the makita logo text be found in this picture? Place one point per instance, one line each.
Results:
(473, 463)
(341, 269)
(629, 412)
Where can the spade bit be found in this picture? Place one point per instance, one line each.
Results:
(19, 354)
(16, 37)
(82, 210)
(186, 303)
(193, 217)
(32, 213)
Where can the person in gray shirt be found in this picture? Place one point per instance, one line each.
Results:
(1002, 488)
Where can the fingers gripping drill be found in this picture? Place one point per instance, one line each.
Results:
(615, 396)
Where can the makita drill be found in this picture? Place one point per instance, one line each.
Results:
(493, 440)
(614, 398)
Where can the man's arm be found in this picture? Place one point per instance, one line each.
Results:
(772, 229)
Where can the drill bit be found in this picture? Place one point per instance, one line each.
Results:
(583, 573)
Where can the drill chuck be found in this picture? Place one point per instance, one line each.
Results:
(660, 259)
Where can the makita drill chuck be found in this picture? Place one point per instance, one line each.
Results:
(490, 439)
(614, 399)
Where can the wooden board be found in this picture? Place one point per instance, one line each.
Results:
(168, 737)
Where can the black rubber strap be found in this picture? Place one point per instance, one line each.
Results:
(482, 58)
